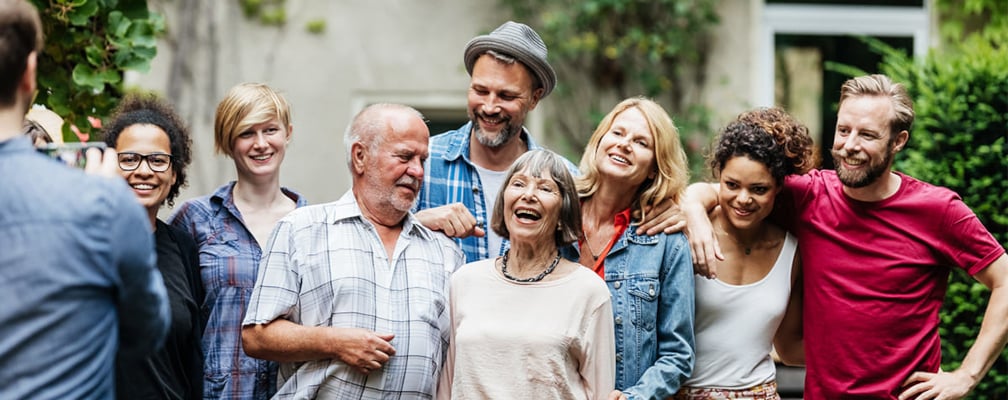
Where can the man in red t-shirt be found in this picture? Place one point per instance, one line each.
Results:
(877, 247)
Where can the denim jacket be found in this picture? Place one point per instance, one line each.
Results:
(650, 279)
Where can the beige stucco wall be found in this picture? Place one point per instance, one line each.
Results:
(371, 51)
(728, 89)
(402, 51)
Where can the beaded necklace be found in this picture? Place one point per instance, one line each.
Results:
(536, 278)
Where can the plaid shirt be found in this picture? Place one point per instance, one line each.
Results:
(229, 262)
(450, 177)
(326, 266)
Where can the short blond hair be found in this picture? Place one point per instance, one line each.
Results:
(673, 174)
(244, 106)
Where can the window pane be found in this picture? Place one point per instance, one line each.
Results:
(808, 91)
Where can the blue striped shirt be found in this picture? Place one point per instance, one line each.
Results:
(229, 262)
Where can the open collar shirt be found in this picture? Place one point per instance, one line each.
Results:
(229, 262)
(325, 265)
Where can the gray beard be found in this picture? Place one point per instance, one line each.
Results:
(505, 135)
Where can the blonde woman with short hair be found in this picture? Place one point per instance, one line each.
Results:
(232, 225)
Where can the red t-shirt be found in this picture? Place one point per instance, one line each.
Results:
(875, 275)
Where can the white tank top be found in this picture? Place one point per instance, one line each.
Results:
(735, 326)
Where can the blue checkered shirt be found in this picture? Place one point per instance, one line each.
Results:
(229, 262)
(450, 177)
(326, 266)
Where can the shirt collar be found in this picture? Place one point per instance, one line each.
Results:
(16, 144)
(347, 208)
(224, 197)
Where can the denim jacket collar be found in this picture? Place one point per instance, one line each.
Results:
(630, 236)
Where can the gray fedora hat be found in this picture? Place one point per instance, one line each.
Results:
(519, 41)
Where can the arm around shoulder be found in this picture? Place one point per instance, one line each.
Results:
(454, 220)
(696, 206)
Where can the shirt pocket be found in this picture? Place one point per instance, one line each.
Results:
(643, 302)
(226, 261)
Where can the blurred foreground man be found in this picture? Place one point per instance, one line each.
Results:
(77, 275)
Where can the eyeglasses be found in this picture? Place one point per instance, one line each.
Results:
(158, 162)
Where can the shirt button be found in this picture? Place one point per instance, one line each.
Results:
(619, 320)
(619, 357)
(616, 285)
(476, 189)
(651, 292)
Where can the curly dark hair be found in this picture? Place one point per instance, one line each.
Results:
(150, 109)
(769, 136)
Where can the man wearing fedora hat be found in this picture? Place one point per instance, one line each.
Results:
(509, 76)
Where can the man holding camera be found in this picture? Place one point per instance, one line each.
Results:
(79, 282)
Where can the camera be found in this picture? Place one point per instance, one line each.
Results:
(72, 154)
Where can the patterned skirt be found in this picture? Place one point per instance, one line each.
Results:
(766, 391)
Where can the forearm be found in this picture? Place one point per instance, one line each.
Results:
(700, 198)
(285, 341)
(992, 337)
(789, 341)
(790, 351)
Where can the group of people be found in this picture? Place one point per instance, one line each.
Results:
(475, 263)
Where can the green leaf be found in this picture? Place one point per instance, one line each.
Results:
(86, 76)
(82, 11)
(95, 56)
(117, 24)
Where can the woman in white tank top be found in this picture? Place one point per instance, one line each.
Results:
(750, 305)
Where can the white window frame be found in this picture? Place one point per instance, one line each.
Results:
(830, 20)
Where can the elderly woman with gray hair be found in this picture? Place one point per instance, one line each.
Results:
(531, 324)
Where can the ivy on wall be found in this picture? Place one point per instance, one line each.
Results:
(274, 13)
(607, 50)
(89, 44)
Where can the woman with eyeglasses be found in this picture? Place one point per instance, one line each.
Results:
(154, 150)
(231, 226)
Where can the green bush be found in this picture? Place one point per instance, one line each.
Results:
(958, 141)
(89, 44)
